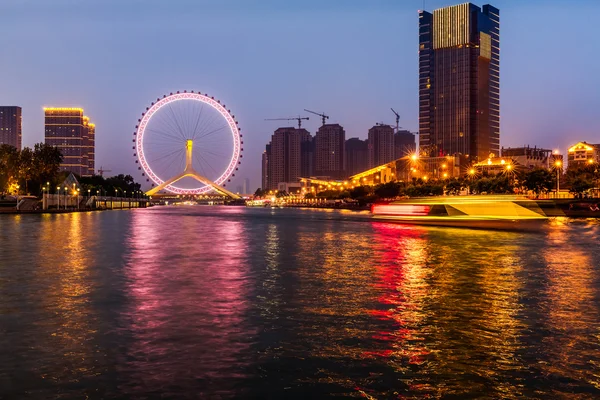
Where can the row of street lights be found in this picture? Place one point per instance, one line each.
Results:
(137, 194)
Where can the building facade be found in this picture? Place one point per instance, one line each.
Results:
(528, 157)
(285, 156)
(459, 81)
(404, 144)
(264, 183)
(91, 147)
(357, 156)
(11, 126)
(583, 153)
(381, 145)
(330, 142)
(69, 130)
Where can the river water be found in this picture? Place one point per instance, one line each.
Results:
(231, 302)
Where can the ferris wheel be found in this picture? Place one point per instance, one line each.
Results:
(188, 143)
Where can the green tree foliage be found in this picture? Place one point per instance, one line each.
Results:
(120, 184)
(539, 180)
(387, 190)
(360, 192)
(500, 184)
(583, 178)
(9, 166)
(259, 192)
(46, 162)
(581, 184)
(426, 189)
(455, 186)
(31, 169)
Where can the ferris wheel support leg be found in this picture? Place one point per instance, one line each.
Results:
(199, 178)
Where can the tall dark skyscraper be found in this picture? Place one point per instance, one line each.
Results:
(11, 126)
(381, 145)
(404, 143)
(357, 156)
(329, 151)
(459, 81)
(285, 156)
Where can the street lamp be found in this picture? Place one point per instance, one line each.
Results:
(558, 165)
(66, 192)
(58, 195)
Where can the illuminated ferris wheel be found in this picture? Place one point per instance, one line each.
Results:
(188, 143)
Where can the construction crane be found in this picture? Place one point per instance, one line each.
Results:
(397, 119)
(299, 119)
(323, 116)
(101, 171)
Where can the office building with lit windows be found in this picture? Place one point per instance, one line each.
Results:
(459, 81)
(11, 126)
(74, 135)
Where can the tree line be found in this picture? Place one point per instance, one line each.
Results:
(29, 171)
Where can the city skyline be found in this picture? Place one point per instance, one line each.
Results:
(551, 107)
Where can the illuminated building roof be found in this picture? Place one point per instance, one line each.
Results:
(581, 146)
(63, 109)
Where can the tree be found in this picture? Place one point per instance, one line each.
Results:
(360, 191)
(581, 184)
(259, 193)
(46, 163)
(582, 178)
(454, 186)
(26, 167)
(9, 166)
(387, 190)
(539, 180)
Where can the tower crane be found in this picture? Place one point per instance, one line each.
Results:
(397, 119)
(322, 115)
(101, 171)
(299, 119)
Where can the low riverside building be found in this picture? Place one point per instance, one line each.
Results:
(528, 157)
(583, 153)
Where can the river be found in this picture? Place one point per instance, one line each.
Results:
(224, 302)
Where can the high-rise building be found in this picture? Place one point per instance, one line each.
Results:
(69, 130)
(381, 145)
(357, 156)
(285, 157)
(459, 81)
(265, 168)
(404, 144)
(329, 151)
(91, 145)
(246, 186)
(11, 126)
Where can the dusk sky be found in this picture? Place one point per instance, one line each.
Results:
(267, 59)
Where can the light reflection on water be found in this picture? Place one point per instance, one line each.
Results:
(234, 302)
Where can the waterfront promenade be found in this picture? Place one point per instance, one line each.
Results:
(236, 302)
(51, 203)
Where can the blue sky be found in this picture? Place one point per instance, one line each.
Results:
(268, 59)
